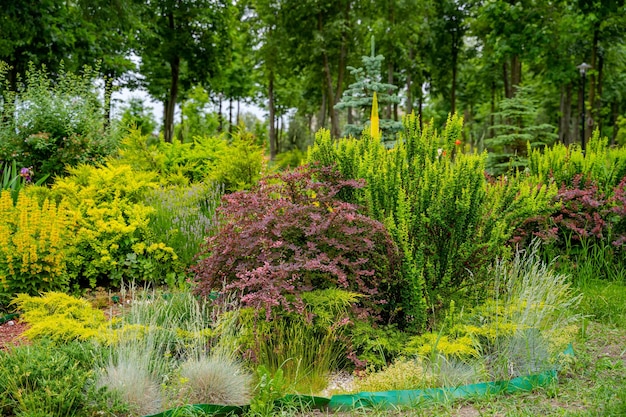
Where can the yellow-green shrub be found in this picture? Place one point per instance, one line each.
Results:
(34, 240)
(61, 317)
(425, 345)
(112, 239)
(237, 162)
(401, 375)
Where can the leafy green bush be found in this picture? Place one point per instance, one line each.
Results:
(601, 164)
(44, 379)
(47, 125)
(236, 163)
(433, 200)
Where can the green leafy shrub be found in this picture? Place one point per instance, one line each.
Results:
(45, 379)
(433, 200)
(49, 125)
(243, 163)
(290, 235)
(34, 240)
(237, 163)
(601, 164)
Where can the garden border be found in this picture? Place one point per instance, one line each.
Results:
(389, 399)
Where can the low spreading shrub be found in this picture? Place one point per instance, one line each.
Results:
(61, 318)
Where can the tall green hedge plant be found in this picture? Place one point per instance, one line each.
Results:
(433, 200)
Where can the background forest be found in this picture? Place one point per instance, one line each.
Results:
(509, 68)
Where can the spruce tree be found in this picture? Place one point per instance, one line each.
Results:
(357, 98)
(520, 125)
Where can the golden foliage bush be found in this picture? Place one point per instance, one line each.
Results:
(34, 240)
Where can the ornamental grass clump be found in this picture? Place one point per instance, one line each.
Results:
(184, 216)
(214, 380)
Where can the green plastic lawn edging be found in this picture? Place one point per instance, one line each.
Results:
(386, 399)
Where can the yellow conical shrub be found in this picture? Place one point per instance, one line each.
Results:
(374, 122)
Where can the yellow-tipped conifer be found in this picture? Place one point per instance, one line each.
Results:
(374, 123)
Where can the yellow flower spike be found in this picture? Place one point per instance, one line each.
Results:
(374, 121)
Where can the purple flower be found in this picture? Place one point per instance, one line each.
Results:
(27, 174)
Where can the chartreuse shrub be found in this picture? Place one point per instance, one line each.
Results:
(112, 238)
(34, 242)
(47, 125)
(433, 200)
(61, 318)
(237, 163)
(600, 164)
(289, 235)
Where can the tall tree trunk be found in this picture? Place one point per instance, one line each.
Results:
(565, 125)
(614, 119)
(409, 86)
(492, 117)
(279, 123)
(230, 115)
(562, 121)
(321, 119)
(576, 120)
(390, 91)
(597, 108)
(272, 116)
(238, 112)
(455, 56)
(505, 77)
(516, 73)
(168, 125)
(108, 92)
(420, 105)
(334, 122)
(592, 82)
(220, 116)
